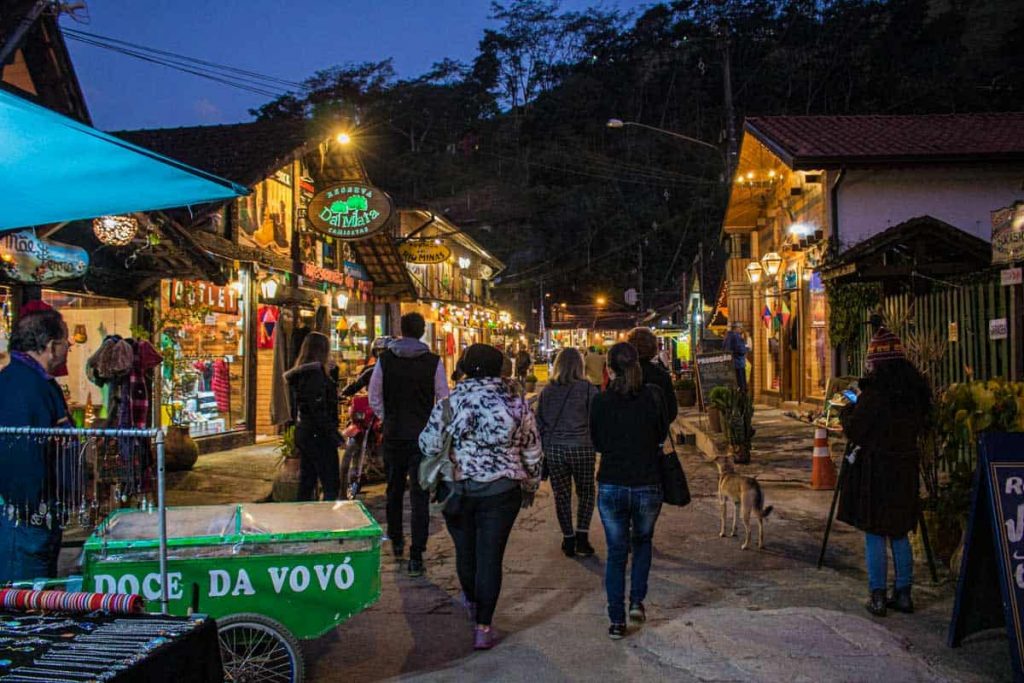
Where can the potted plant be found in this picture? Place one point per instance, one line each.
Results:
(531, 383)
(719, 403)
(686, 392)
(738, 423)
(180, 450)
(286, 481)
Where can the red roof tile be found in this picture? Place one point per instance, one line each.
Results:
(823, 141)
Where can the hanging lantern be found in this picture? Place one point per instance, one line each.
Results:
(754, 272)
(269, 288)
(771, 263)
(116, 231)
(342, 301)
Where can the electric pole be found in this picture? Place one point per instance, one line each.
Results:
(732, 151)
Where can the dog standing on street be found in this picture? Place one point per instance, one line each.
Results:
(746, 496)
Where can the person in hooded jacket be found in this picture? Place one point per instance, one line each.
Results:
(406, 382)
(646, 345)
(313, 383)
(497, 454)
(881, 489)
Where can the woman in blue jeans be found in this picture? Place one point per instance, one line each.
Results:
(881, 491)
(628, 427)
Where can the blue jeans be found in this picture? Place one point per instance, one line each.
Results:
(878, 561)
(27, 552)
(628, 514)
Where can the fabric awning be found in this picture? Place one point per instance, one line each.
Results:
(55, 169)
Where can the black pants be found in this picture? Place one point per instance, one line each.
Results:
(318, 459)
(402, 460)
(480, 532)
(741, 379)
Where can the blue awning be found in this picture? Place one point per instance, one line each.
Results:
(55, 169)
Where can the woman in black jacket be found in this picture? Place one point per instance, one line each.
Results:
(628, 427)
(314, 389)
(647, 347)
(881, 491)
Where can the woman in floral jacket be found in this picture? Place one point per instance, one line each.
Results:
(497, 456)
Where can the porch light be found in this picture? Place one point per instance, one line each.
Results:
(269, 288)
(115, 231)
(754, 272)
(464, 262)
(342, 301)
(771, 263)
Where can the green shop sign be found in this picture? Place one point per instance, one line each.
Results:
(349, 211)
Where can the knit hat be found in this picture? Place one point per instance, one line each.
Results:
(885, 346)
(482, 360)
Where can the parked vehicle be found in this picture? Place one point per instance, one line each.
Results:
(362, 445)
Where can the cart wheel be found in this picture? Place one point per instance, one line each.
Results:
(255, 648)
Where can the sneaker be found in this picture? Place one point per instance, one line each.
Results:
(583, 547)
(637, 613)
(876, 604)
(569, 546)
(617, 631)
(901, 601)
(397, 550)
(415, 567)
(483, 637)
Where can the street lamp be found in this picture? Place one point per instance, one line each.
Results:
(754, 272)
(771, 262)
(343, 138)
(619, 123)
(600, 301)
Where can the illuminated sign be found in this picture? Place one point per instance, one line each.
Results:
(190, 294)
(349, 211)
(25, 257)
(1008, 234)
(424, 252)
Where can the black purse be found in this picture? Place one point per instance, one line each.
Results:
(674, 488)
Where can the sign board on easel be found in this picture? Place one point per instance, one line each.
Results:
(990, 590)
(713, 370)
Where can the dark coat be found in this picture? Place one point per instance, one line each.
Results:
(659, 377)
(314, 397)
(882, 491)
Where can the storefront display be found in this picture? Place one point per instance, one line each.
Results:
(351, 336)
(202, 337)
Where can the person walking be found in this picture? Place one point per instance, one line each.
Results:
(362, 381)
(30, 397)
(881, 492)
(406, 382)
(563, 419)
(523, 363)
(594, 363)
(497, 454)
(314, 399)
(646, 345)
(628, 428)
(736, 344)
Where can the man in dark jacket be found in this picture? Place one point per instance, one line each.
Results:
(406, 382)
(30, 397)
(737, 346)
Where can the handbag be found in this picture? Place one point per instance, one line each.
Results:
(674, 488)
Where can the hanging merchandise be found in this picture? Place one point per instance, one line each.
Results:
(766, 317)
(221, 385)
(80, 336)
(267, 316)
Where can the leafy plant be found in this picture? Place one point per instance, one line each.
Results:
(738, 421)
(721, 398)
(848, 304)
(286, 449)
(684, 385)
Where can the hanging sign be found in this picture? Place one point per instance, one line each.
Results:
(192, 293)
(424, 252)
(349, 211)
(954, 333)
(997, 329)
(1008, 234)
(1010, 276)
(26, 257)
(990, 588)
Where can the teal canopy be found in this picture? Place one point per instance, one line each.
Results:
(55, 169)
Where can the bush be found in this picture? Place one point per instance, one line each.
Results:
(684, 385)
(721, 398)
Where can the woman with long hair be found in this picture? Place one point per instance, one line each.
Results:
(628, 426)
(313, 384)
(563, 418)
(881, 491)
(497, 457)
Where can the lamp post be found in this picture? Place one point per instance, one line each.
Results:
(619, 123)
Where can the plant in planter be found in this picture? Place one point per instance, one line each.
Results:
(686, 392)
(531, 383)
(738, 423)
(719, 404)
(286, 481)
(180, 451)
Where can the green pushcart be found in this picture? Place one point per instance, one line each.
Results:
(270, 573)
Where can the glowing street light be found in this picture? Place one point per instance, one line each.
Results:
(601, 301)
(343, 138)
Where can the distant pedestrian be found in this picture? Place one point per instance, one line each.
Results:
(407, 380)
(563, 418)
(362, 381)
(881, 492)
(736, 344)
(647, 348)
(523, 364)
(628, 428)
(313, 383)
(594, 365)
(497, 456)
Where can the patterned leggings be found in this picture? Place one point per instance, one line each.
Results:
(566, 464)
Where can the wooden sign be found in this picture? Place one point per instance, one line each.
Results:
(424, 252)
(192, 293)
(25, 257)
(714, 370)
(990, 588)
(349, 211)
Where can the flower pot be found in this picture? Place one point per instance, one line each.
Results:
(286, 481)
(715, 419)
(180, 451)
(686, 398)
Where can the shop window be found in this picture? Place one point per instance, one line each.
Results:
(202, 338)
(816, 354)
(351, 337)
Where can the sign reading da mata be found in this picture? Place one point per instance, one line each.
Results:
(990, 588)
(349, 211)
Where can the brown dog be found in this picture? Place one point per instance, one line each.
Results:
(746, 496)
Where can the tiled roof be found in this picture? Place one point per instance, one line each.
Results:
(823, 141)
(243, 152)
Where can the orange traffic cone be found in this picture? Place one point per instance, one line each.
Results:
(823, 473)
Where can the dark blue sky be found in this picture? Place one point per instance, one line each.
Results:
(288, 40)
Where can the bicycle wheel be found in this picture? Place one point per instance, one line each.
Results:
(257, 649)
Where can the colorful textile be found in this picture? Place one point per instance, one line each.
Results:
(146, 358)
(766, 317)
(267, 317)
(59, 601)
(885, 345)
(221, 385)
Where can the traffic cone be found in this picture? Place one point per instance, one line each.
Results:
(823, 473)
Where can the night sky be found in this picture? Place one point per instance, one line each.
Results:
(288, 40)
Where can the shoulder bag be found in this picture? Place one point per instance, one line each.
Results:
(439, 467)
(675, 490)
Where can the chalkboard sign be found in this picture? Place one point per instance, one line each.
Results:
(714, 370)
(994, 547)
